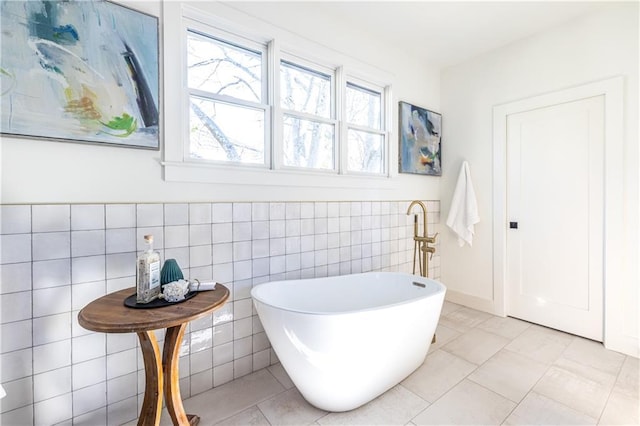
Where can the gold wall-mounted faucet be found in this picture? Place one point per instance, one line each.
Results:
(421, 242)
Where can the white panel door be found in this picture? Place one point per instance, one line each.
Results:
(555, 221)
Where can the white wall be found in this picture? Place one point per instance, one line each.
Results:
(38, 171)
(587, 49)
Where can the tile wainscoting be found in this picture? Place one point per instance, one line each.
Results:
(55, 259)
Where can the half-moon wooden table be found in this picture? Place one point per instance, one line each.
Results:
(108, 314)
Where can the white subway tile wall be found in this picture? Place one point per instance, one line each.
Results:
(57, 258)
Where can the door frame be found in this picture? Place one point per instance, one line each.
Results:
(612, 89)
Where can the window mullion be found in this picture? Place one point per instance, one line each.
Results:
(273, 95)
(308, 117)
(184, 95)
(387, 107)
(226, 99)
(341, 116)
(366, 129)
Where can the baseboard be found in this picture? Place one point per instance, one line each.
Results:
(627, 345)
(473, 302)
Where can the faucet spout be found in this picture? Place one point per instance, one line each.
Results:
(424, 217)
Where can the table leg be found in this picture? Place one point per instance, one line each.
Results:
(170, 362)
(152, 403)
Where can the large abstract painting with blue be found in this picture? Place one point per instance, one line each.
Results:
(420, 139)
(83, 71)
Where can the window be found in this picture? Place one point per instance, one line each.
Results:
(365, 135)
(308, 125)
(228, 114)
(258, 109)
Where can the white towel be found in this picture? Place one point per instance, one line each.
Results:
(464, 208)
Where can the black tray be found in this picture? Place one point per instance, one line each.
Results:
(130, 301)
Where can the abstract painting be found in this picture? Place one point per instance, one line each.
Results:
(420, 137)
(82, 71)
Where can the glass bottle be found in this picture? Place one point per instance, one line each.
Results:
(148, 273)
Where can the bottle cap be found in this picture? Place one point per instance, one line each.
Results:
(148, 238)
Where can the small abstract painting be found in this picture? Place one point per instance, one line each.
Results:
(82, 71)
(420, 137)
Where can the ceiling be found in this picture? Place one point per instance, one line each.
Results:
(443, 33)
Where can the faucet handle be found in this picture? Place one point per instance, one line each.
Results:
(430, 250)
(432, 240)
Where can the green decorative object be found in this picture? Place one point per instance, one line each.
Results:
(170, 272)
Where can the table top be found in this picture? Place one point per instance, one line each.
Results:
(108, 314)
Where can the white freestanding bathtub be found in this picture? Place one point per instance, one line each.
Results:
(345, 340)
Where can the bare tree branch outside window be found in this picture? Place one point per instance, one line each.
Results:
(307, 142)
(228, 112)
(224, 131)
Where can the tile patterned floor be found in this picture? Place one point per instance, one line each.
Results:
(483, 370)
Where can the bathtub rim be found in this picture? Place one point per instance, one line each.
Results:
(441, 288)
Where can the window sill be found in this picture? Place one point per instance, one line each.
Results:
(205, 173)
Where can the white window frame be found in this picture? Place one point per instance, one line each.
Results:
(332, 119)
(178, 167)
(206, 31)
(383, 131)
